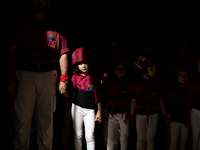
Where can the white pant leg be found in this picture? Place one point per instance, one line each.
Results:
(141, 129)
(174, 135)
(195, 125)
(113, 126)
(89, 122)
(124, 132)
(24, 107)
(184, 132)
(46, 104)
(77, 119)
(151, 131)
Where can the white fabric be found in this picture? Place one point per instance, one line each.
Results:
(195, 125)
(115, 123)
(178, 136)
(87, 116)
(146, 133)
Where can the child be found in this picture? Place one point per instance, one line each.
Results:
(177, 106)
(146, 99)
(194, 105)
(117, 97)
(87, 92)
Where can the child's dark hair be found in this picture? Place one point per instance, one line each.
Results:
(77, 70)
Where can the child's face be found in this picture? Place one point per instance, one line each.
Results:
(182, 77)
(83, 66)
(199, 66)
(120, 70)
(151, 71)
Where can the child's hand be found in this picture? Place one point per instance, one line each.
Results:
(168, 118)
(128, 119)
(98, 117)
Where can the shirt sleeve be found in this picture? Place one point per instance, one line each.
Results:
(63, 42)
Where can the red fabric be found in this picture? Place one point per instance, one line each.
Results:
(148, 110)
(85, 83)
(34, 34)
(64, 78)
(150, 91)
(80, 54)
(117, 104)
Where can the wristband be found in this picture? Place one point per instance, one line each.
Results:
(64, 78)
(9, 77)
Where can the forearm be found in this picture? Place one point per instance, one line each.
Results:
(99, 104)
(132, 107)
(64, 64)
(10, 58)
(162, 107)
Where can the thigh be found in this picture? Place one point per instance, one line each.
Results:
(113, 126)
(124, 128)
(89, 122)
(174, 132)
(141, 126)
(26, 95)
(46, 91)
(152, 127)
(77, 118)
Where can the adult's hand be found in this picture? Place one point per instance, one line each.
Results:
(11, 87)
(62, 87)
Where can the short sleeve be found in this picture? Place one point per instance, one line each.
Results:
(63, 42)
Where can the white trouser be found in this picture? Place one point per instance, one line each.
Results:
(116, 122)
(146, 133)
(35, 89)
(195, 125)
(178, 136)
(87, 116)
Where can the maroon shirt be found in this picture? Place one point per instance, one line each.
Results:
(117, 95)
(147, 95)
(38, 42)
(88, 82)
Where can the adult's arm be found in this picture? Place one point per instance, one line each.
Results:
(64, 70)
(11, 85)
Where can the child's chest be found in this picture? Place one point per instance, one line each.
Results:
(116, 89)
(84, 83)
(148, 90)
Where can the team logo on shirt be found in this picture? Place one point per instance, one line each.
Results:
(52, 37)
(90, 87)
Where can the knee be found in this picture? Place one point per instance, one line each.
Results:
(89, 137)
(150, 140)
(78, 136)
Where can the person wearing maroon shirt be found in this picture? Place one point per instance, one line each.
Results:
(38, 45)
(146, 99)
(194, 105)
(178, 96)
(86, 94)
(117, 89)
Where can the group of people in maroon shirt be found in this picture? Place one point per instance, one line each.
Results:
(127, 93)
